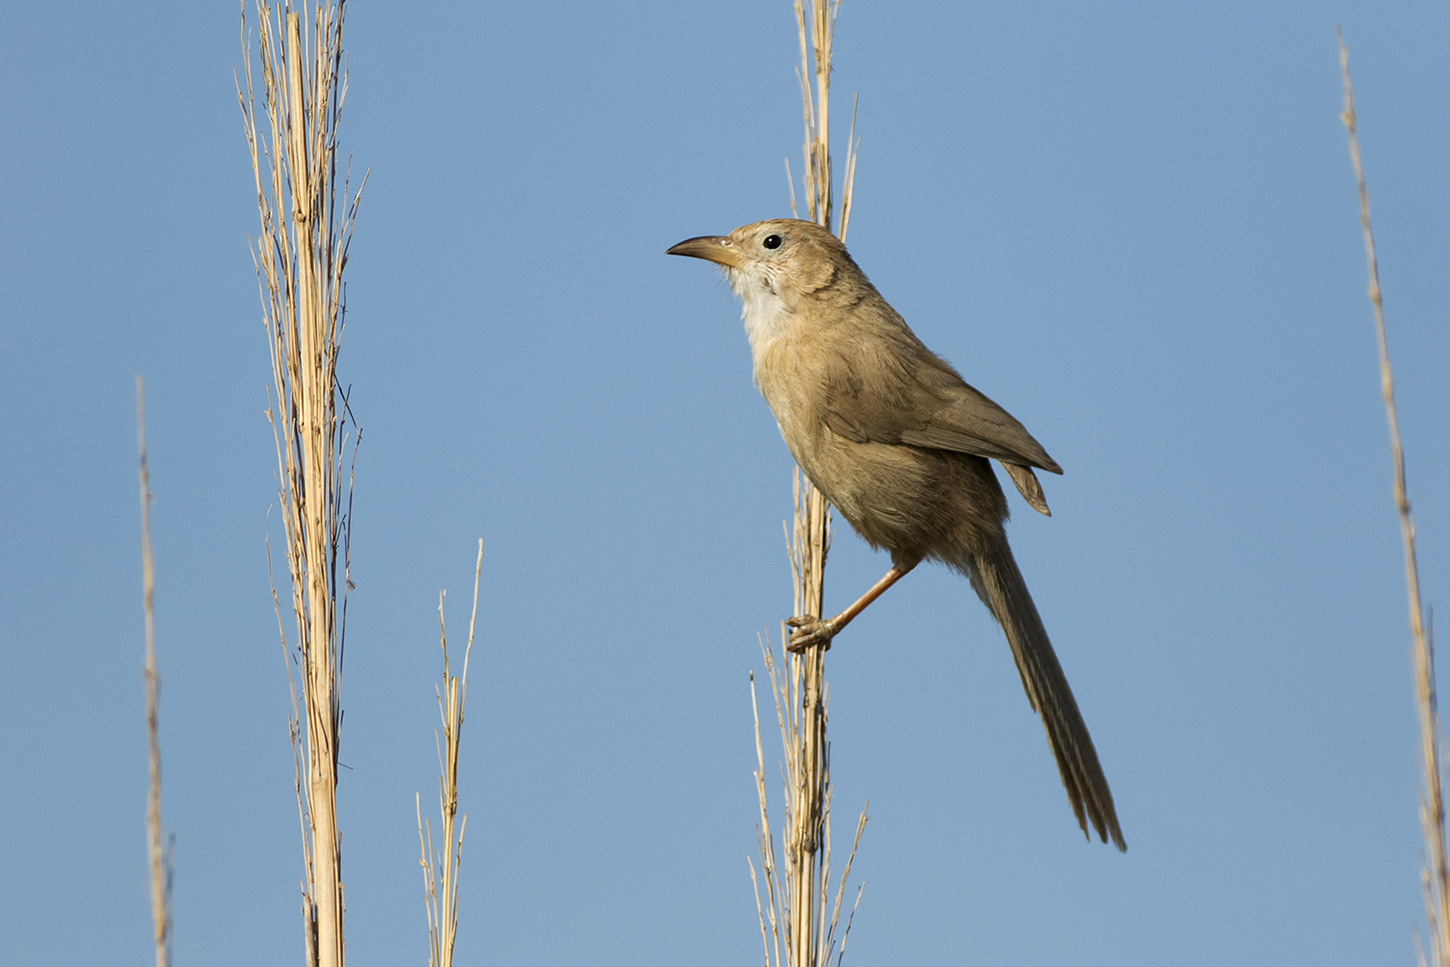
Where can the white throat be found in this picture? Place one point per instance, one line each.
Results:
(764, 312)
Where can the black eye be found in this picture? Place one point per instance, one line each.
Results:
(771, 241)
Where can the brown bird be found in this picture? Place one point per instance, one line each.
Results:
(895, 438)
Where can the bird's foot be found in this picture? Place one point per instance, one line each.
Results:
(809, 632)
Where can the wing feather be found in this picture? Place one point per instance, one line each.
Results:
(915, 398)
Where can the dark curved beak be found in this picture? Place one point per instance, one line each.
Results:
(712, 248)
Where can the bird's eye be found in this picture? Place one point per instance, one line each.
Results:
(771, 241)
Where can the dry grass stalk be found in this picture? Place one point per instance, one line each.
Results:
(440, 871)
(300, 256)
(815, 39)
(802, 919)
(159, 854)
(1436, 875)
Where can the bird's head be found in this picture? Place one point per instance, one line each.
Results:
(774, 264)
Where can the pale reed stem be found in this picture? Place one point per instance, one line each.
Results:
(440, 873)
(802, 918)
(300, 256)
(1436, 878)
(157, 853)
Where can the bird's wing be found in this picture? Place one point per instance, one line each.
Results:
(919, 400)
(916, 398)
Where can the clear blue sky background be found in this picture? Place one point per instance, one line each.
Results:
(1131, 223)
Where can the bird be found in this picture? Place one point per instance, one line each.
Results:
(893, 436)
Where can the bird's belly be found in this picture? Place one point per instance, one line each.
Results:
(916, 503)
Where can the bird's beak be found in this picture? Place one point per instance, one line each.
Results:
(711, 248)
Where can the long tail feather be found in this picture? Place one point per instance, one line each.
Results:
(999, 584)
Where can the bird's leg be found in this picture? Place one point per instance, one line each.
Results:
(810, 630)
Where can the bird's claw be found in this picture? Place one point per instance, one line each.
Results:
(809, 631)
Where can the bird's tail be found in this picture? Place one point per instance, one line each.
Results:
(997, 581)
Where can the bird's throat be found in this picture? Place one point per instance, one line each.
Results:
(763, 311)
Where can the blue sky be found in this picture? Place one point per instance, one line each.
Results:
(1133, 224)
